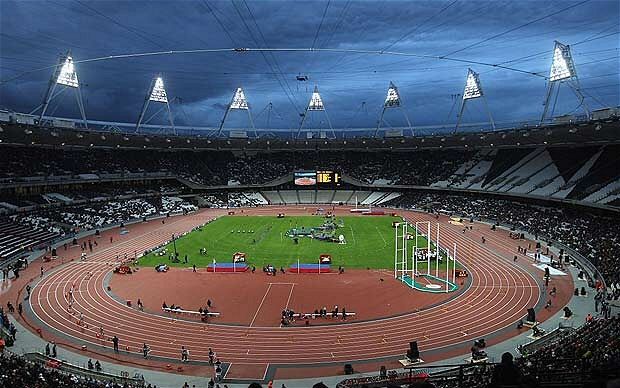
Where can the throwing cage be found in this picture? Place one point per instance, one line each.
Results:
(400, 250)
(408, 273)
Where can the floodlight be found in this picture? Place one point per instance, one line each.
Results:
(155, 93)
(473, 90)
(393, 98)
(472, 86)
(316, 103)
(239, 101)
(562, 72)
(158, 94)
(562, 66)
(68, 76)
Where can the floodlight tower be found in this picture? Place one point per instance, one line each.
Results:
(562, 72)
(156, 93)
(473, 90)
(65, 76)
(393, 100)
(315, 105)
(238, 102)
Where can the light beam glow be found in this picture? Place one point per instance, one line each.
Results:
(239, 101)
(158, 94)
(316, 103)
(562, 66)
(473, 89)
(393, 98)
(68, 76)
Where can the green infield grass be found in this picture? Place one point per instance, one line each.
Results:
(369, 242)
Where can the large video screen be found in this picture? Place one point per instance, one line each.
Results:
(311, 178)
(305, 178)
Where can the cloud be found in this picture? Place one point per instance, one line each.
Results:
(353, 86)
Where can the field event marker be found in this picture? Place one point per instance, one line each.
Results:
(380, 235)
(353, 234)
(260, 305)
(289, 297)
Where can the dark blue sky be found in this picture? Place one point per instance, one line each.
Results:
(353, 86)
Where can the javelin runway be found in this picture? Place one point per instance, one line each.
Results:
(498, 296)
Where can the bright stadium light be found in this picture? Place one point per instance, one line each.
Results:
(239, 101)
(473, 90)
(562, 66)
(64, 76)
(68, 76)
(158, 94)
(472, 86)
(316, 103)
(155, 93)
(562, 72)
(393, 98)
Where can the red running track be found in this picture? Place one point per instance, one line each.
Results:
(499, 295)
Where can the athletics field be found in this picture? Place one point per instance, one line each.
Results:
(369, 242)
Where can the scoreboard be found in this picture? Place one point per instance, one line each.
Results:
(327, 177)
(318, 178)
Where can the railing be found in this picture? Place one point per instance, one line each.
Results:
(548, 339)
(549, 372)
(68, 368)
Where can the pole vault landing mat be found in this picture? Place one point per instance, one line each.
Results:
(227, 267)
(310, 268)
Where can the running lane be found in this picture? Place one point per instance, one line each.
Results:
(499, 295)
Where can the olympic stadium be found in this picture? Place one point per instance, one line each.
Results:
(309, 194)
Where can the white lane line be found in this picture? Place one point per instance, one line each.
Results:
(260, 305)
(352, 234)
(381, 235)
(289, 297)
(510, 286)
